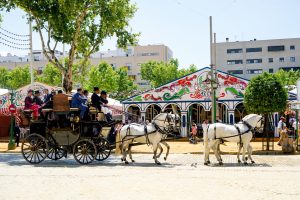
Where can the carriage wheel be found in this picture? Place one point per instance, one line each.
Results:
(34, 148)
(55, 152)
(103, 149)
(84, 151)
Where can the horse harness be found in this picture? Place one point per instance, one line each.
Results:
(163, 131)
(250, 128)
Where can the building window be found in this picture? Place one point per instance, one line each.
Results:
(292, 47)
(234, 62)
(251, 61)
(254, 71)
(292, 59)
(276, 48)
(128, 65)
(149, 54)
(271, 70)
(290, 68)
(234, 51)
(235, 71)
(281, 59)
(270, 60)
(258, 49)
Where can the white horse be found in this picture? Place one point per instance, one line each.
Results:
(240, 133)
(154, 133)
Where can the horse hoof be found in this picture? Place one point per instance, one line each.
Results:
(245, 163)
(252, 162)
(246, 158)
(208, 162)
(220, 163)
(239, 161)
(165, 158)
(126, 162)
(132, 160)
(122, 159)
(153, 157)
(158, 163)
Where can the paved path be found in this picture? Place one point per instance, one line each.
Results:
(183, 176)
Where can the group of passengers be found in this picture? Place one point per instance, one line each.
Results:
(100, 102)
(80, 99)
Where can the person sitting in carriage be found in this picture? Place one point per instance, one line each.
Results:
(100, 102)
(78, 101)
(31, 105)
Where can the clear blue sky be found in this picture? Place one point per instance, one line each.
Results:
(183, 24)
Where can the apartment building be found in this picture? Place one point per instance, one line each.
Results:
(132, 58)
(250, 58)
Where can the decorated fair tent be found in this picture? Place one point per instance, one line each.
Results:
(20, 95)
(191, 94)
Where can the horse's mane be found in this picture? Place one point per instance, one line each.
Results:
(247, 117)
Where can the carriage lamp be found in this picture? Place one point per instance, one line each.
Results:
(11, 144)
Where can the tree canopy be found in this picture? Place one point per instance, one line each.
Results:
(265, 94)
(14, 79)
(81, 24)
(158, 73)
(288, 77)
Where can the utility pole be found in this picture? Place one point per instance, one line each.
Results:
(213, 81)
(216, 107)
(31, 54)
(62, 74)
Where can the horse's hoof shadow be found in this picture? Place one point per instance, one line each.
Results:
(126, 163)
(158, 163)
(245, 163)
(220, 163)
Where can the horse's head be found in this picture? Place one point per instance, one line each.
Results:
(170, 122)
(254, 120)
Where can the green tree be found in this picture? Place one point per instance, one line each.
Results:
(81, 24)
(288, 77)
(125, 85)
(4, 77)
(18, 77)
(265, 94)
(103, 76)
(158, 73)
(50, 75)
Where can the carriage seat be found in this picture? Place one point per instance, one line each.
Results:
(47, 110)
(61, 103)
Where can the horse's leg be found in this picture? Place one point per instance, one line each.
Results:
(206, 149)
(124, 148)
(155, 147)
(239, 152)
(215, 149)
(249, 149)
(168, 149)
(245, 145)
(218, 150)
(160, 149)
(130, 154)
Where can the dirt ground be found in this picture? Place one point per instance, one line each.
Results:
(182, 176)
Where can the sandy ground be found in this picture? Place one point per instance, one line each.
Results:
(183, 176)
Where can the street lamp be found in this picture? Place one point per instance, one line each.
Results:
(12, 110)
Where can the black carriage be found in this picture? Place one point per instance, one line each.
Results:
(60, 131)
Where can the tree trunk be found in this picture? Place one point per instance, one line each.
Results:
(68, 83)
(266, 130)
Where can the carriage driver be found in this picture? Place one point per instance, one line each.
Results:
(78, 101)
(100, 102)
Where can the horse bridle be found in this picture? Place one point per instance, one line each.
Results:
(252, 129)
(169, 129)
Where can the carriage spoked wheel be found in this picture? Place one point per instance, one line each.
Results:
(103, 149)
(84, 151)
(55, 152)
(34, 148)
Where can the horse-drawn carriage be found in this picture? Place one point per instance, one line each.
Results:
(61, 131)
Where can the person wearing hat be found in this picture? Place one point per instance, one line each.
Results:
(96, 101)
(31, 105)
(280, 128)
